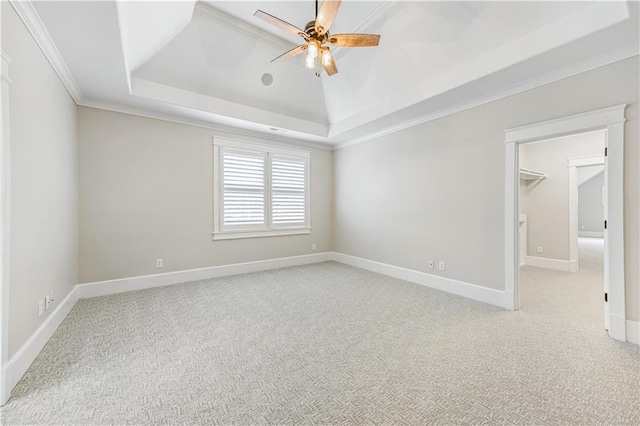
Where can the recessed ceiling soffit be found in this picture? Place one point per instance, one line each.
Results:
(212, 62)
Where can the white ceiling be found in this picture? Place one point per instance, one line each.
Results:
(202, 63)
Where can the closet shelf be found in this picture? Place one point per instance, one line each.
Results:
(528, 174)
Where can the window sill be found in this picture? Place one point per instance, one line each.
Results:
(233, 235)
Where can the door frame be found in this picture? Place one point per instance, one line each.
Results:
(5, 210)
(573, 164)
(611, 120)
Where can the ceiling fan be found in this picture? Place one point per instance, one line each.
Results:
(317, 38)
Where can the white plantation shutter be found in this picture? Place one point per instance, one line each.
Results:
(243, 189)
(288, 191)
(259, 190)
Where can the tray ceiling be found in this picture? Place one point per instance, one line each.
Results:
(204, 62)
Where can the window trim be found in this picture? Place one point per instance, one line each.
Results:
(266, 230)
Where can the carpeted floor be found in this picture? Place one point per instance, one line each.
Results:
(579, 296)
(332, 344)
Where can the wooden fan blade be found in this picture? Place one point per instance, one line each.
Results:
(331, 69)
(354, 40)
(326, 15)
(278, 23)
(291, 53)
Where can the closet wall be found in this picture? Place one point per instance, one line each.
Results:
(546, 201)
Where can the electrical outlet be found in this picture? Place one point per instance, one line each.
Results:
(431, 264)
(441, 266)
(313, 247)
(40, 307)
(47, 304)
(539, 249)
(159, 263)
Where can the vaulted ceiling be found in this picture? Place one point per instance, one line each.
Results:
(203, 63)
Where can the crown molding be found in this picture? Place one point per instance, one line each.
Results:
(608, 58)
(240, 30)
(29, 16)
(221, 131)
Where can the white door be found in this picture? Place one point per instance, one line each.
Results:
(606, 237)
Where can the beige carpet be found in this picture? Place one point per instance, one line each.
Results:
(572, 297)
(332, 344)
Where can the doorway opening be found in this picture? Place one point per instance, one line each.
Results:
(611, 122)
(561, 227)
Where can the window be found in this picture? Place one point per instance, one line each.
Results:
(259, 190)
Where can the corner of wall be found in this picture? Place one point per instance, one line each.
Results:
(19, 363)
(332, 220)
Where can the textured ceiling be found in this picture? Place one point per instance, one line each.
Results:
(204, 62)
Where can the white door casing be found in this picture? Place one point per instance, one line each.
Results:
(572, 165)
(4, 227)
(612, 121)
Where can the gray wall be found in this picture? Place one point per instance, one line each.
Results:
(436, 190)
(547, 201)
(146, 192)
(44, 182)
(590, 209)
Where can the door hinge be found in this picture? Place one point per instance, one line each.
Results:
(605, 224)
(606, 151)
(605, 297)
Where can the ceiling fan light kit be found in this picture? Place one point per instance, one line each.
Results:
(312, 54)
(326, 57)
(316, 34)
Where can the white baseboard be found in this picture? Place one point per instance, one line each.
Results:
(618, 327)
(103, 288)
(558, 265)
(509, 301)
(460, 288)
(633, 331)
(5, 391)
(20, 362)
(472, 291)
(591, 234)
(573, 266)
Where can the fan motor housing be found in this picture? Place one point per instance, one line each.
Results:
(310, 30)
